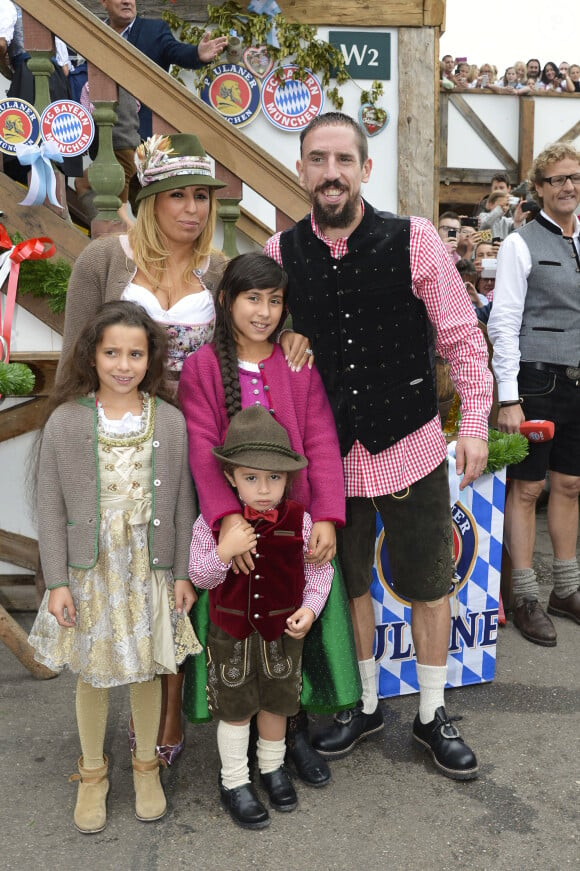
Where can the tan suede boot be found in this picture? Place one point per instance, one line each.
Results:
(150, 803)
(90, 814)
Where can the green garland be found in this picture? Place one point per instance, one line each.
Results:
(44, 278)
(16, 379)
(297, 42)
(505, 449)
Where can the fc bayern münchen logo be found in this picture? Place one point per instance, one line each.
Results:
(464, 554)
(233, 91)
(289, 103)
(69, 126)
(19, 125)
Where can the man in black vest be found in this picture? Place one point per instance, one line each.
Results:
(535, 329)
(368, 287)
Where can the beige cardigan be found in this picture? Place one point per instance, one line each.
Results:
(100, 274)
(69, 492)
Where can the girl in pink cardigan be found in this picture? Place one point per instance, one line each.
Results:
(245, 367)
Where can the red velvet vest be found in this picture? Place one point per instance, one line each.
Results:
(264, 599)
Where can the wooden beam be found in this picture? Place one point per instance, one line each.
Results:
(100, 45)
(20, 419)
(434, 14)
(571, 134)
(43, 365)
(355, 13)
(417, 124)
(20, 550)
(483, 132)
(527, 108)
(455, 175)
(13, 580)
(464, 194)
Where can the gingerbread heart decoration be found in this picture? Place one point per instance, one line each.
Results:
(372, 123)
(258, 60)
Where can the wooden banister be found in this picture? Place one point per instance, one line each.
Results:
(167, 98)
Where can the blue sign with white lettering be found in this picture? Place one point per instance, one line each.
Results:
(367, 54)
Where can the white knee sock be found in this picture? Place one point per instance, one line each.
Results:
(431, 679)
(270, 755)
(368, 676)
(232, 744)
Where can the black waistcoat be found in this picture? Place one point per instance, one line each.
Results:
(372, 338)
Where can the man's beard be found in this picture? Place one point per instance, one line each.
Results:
(328, 216)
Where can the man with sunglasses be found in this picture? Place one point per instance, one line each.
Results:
(535, 330)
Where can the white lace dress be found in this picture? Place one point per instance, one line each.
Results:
(128, 629)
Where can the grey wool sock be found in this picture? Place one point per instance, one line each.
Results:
(524, 586)
(565, 576)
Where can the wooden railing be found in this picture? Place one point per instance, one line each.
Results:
(112, 60)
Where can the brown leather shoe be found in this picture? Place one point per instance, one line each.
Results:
(534, 624)
(567, 607)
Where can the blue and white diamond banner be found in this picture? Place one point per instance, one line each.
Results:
(473, 596)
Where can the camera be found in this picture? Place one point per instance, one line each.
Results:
(452, 233)
(470, 222)
(513, 201)
(488, 267)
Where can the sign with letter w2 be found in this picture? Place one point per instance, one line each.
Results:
(367, 54)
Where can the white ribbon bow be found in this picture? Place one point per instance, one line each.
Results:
(42, 179)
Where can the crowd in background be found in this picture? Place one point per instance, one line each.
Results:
(521, 78)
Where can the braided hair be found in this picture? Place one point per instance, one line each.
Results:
(245, 272)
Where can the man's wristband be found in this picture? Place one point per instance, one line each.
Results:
(518, 401)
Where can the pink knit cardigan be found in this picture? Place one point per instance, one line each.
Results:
(299, 404)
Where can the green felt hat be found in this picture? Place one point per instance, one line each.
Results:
(174, 161)
(254, 439)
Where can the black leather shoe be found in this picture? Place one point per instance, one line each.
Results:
(310, 766)
(245, 807)
(534, 624)
(450, 753)
(349, 727)
(280, 791)
(569, 606)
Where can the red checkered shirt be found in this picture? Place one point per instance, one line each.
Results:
(437, 283)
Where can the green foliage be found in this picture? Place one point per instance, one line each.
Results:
(44, 278)
(16, 379)
(505, 449)
(298, 44)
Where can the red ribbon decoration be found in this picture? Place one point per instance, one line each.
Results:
(40, 248)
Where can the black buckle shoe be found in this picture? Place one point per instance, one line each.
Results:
(244, 806)
(310, 766)
(442, 740)
(349, 727)
(280, 790)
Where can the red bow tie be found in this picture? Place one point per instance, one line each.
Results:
(270, 516)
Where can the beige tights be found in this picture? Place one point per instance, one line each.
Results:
(92, 707)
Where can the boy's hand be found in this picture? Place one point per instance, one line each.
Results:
(241, 562)
(300, 623)
(61, 606)
(185, 596)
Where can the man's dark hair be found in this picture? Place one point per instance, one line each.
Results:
(338, 119)
(501, 176)
(449, 216)
(466, 267)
